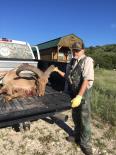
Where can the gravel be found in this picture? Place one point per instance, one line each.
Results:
(45, 138)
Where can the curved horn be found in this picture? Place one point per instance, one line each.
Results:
(49, 70)
(28, 67)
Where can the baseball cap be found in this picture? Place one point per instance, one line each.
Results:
(77, 46)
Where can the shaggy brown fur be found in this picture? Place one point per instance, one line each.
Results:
(14, 85)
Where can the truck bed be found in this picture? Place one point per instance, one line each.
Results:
(32, 108)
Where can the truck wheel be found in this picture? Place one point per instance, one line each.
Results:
(21, 127)
(16, 127)
(26, 126)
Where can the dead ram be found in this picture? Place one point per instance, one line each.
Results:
(17, 84)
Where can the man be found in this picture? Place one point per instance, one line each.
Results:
(80, 77)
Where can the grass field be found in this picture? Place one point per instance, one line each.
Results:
(104, 95)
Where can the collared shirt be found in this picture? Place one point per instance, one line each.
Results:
(87, 69)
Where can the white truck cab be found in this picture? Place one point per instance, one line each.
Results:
(14, 53)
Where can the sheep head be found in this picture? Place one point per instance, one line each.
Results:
(41, 77)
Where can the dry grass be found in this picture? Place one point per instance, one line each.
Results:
(104, 95)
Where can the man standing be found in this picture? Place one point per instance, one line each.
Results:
(80, 77)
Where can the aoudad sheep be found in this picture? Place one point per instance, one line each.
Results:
(18, 84)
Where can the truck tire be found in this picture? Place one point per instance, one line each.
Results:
(21, 127)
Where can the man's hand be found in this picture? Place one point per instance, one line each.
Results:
(56, 69)
(59, 71)
(76, 101)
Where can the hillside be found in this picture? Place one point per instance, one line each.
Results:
(104, 56)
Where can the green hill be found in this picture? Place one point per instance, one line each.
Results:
(104, 56)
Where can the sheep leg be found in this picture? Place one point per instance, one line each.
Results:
(2, 89)
(8, 98)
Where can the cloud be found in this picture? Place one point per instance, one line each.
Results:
(113, 26)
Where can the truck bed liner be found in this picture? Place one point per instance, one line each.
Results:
(32, 108)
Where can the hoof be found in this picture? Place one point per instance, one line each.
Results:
(7, 99)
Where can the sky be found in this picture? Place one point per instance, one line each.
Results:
(37, 21)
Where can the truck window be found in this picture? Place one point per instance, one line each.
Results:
(15, 50)
(36, 52)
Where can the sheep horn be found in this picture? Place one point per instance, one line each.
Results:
(49, 70)
(28, 67)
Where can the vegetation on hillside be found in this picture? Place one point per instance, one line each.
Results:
(104, 56)
(104, 90)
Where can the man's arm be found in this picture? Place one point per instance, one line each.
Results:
(77, 100)
(83, 87)
(88, 75)
(84, 84)
(59, 71)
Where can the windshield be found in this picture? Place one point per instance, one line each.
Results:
(14, 50)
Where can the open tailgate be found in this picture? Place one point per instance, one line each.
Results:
(33, 108)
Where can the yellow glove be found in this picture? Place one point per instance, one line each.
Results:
(76, 101)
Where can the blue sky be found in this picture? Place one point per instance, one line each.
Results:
(37, 21)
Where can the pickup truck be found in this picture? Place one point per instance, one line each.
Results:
(21, 110)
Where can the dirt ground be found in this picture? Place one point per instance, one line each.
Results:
(48, 138)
